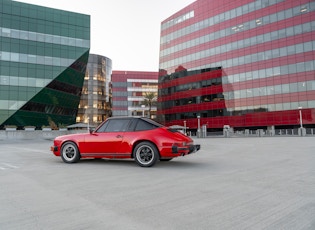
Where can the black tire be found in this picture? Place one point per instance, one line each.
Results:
(70, 152)
(166, 159)
(146, 154)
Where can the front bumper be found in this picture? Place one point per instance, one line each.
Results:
(185, 149)
(54, 148)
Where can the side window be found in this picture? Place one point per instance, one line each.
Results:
(132, 125)
(117, 126)
(102, 128)
(114, 126)
(143, 125)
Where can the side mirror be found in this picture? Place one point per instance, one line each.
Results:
(91, 130)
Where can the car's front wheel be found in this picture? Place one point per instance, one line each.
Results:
(70, 152)
(146, 154)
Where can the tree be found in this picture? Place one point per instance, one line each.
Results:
(149, 100)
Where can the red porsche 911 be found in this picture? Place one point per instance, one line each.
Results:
(139, 138)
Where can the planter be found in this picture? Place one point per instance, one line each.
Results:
(46, 129)
(29, 128)
(10, 129)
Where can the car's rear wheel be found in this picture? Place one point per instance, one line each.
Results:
(70, 152)
(146, 154)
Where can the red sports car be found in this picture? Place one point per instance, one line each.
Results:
(139, 138)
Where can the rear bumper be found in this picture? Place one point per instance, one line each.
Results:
(185, 149)
(194, 149)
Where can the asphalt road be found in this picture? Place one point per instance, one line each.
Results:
(232, 183)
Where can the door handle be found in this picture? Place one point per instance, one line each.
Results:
(119, 136)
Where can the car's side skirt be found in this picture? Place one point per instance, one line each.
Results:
(106, 155)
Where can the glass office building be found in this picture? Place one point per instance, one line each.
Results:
(132, 93)
(248, 64)
(96, 99)
(43, 58)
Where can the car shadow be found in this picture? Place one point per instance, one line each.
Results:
(130, 162)
(182, 164)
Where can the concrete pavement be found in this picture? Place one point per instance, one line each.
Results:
(231, 183)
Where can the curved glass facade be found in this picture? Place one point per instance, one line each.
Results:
(244, 64)
(43, 57)
(96, 99)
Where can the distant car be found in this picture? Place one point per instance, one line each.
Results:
(139, 138)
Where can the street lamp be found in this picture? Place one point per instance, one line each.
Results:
(142, 106)
(301, 122)
(198, 117)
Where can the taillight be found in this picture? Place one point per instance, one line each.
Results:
(180, 144)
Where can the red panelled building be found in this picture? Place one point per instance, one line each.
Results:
(248, 64)
(129, 92)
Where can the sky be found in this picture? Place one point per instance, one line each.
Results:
(126, 31)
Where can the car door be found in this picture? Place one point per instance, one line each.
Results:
(138, 129)
(107, 139)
